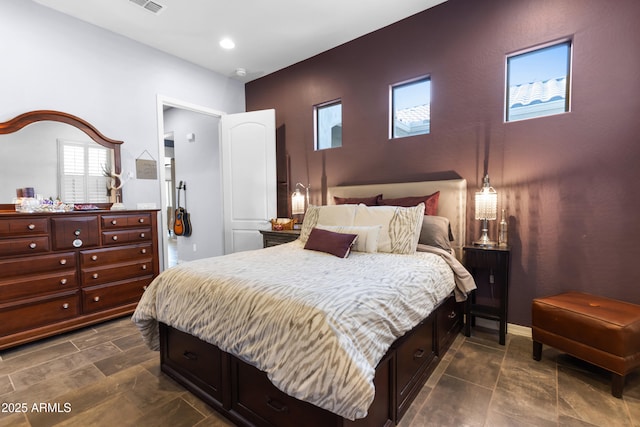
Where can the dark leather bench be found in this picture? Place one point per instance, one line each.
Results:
(601, 331)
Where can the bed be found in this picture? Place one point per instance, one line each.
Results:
(282, 335)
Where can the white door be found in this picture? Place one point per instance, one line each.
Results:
(248, 144)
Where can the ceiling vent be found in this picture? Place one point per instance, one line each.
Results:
(151, 6)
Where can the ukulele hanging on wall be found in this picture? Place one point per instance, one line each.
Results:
(182, 224)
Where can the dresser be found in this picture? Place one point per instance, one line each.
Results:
(63, 271)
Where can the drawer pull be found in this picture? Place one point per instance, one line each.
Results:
(32, 245)
(63, 281)
(94, 257)
(114, 222)
(94, 275)
(114, 238)
(63, 261)
(190, 355)
(143, 251)
(144, 266)
(31, 226)
(65, 306)
(141, 220)
(96, 299)
(418, 354)
(276, 405)
(142, 235)
(452, 315)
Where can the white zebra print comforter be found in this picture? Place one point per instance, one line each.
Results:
(316, 324)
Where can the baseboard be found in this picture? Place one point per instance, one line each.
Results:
(512, 328)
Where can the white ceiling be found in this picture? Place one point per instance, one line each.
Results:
(269, 35)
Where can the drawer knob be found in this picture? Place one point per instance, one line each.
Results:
(114, 238)
(452, 315)
(114, 222)
(141, 220)
(63, 281)
(32, 245)
(190, 355)
(94, 257)
(142, 235)
(65, 305)
(144, 266)
(63, 261)
(143, 251)
(31, 226)
(77, 232)
(96, 299)
(94, 275)
(418, 354)
(276, 405)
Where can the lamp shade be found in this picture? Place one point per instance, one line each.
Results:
(297, 202)
(486, 201)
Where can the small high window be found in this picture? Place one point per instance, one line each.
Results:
(538, 82)
(411, 108)
(328, 125)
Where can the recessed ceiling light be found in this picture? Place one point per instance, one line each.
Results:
(227, 43)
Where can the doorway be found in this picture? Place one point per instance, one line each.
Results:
(189, 140)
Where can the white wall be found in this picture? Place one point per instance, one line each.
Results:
(53, 61)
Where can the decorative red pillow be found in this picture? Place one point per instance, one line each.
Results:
(430, 202)
(338, 244)
(369, 201)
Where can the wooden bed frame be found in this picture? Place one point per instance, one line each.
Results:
(244, 394)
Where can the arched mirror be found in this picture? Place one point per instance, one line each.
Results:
(60, 156)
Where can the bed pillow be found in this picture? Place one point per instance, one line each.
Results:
(430, 202)
(367, 240)
(435, 231)
(369, 201)
(327, 215)
(338, 244)
(400, 226)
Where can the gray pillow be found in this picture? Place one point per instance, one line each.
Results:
(436, 231)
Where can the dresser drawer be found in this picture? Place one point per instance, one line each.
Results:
(413, 355)
(107, 296)
(449, 322)
(126, 236)
(196, 360)
(100, 257)
(260, 401)
(37, 264)
(23, 226)
(75, 232)
(24, 245)
(484, 259)
(119, 221)
(37, 284)
(38, 312)
(115, 272)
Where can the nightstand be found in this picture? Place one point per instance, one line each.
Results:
(278, 237)
(490, 270)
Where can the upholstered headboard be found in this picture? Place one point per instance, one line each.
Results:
(452, 202)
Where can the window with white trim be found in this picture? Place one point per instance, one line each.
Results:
(538, 82)
(327, 120)
(82, 172)
(411, 108)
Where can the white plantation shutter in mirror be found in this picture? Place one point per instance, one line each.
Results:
(82, 166)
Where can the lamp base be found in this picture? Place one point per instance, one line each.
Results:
(484, 240)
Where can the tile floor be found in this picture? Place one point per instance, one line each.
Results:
(106, 377)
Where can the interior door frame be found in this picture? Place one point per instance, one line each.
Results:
(161, 101)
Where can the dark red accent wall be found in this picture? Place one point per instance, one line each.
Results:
(570, 182)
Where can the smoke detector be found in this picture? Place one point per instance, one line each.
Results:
(151, 6)
(241, 72)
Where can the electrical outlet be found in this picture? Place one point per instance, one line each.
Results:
(194, 248)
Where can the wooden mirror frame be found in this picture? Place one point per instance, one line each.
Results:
(30, 117)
